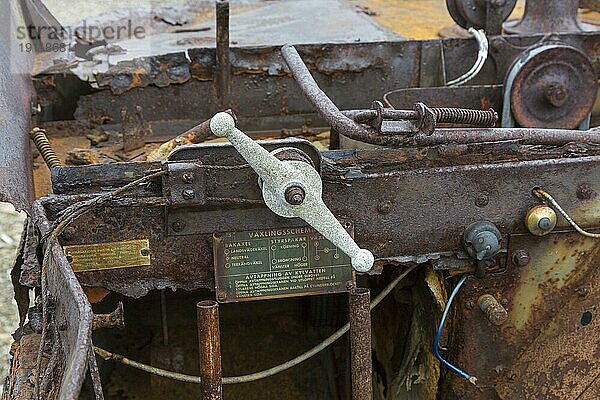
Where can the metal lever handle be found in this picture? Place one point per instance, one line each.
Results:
(292, 189)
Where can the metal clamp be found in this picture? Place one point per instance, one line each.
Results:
(292, 189)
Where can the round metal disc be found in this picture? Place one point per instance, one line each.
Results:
(472, 13)
(555, 88)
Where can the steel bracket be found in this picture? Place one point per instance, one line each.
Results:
(184, 185)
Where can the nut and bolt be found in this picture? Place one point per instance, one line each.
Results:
(493, 310)
(295, 195)
(188, 194)
(521, 257)
(187, 177)
(178, 225)
(556, 94)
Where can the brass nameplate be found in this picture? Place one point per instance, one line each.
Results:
(272, 263)
(101, 256)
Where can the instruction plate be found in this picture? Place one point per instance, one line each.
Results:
(272, 263)
(112, 255)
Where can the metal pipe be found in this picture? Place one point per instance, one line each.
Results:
(360, 344)
(209, 339)
(223, 74)
(326, 108)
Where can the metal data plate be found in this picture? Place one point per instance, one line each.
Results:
(273, 263)
(113, 255)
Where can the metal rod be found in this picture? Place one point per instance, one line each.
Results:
(163, 314)
(223, 73)
(209, 339)
(360, 344)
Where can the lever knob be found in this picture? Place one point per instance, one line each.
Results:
(292, 189)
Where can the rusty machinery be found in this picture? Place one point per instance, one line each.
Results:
(507, 214)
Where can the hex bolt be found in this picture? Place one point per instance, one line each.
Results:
(493, 310)
(521, 257)
(178, 225)
(187, 177)
(295, 195)
(188, 194)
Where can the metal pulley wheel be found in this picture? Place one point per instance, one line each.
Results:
(473, 13)
(550, 86)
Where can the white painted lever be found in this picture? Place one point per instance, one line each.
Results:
(292, 189)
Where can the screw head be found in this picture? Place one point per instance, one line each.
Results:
(187, 177)
(295, 195)
(385, 207)
(482, 200)
(545, 224)
(178, 225)
(521, 257)
(188, 194)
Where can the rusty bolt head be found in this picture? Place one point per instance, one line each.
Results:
(556, 94)
(482, 200)
(221, 296)
(178, 225)
(187, 177)
(493, 310)
(350, 285)
(295, 195)
(585, 192)
(521, 257)
(188, 194)
(385, 207)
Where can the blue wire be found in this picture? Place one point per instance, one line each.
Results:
(436, 343)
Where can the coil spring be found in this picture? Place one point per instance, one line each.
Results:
(465, 116)
(38, 136)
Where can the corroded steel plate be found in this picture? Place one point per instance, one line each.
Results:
(113, 255)
(272, 263)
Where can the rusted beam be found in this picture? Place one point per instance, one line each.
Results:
(209, 339)
(360, 344)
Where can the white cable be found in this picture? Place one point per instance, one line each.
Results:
(482, 55)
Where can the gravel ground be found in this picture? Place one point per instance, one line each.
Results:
(11, 225)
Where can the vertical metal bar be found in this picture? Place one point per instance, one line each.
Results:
(209, 339)
(223, 73)
(163, 314)
(360, 344)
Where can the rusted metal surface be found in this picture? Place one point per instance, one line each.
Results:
(209, 339)
(553, 86)
(16, 177)
(410, 180)
(115, 319)
(363, 66)
(542, 350)
(72, 313)
(134, 128)
(360, 344)
(223, 66)
(197, 134)
(549, 16)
